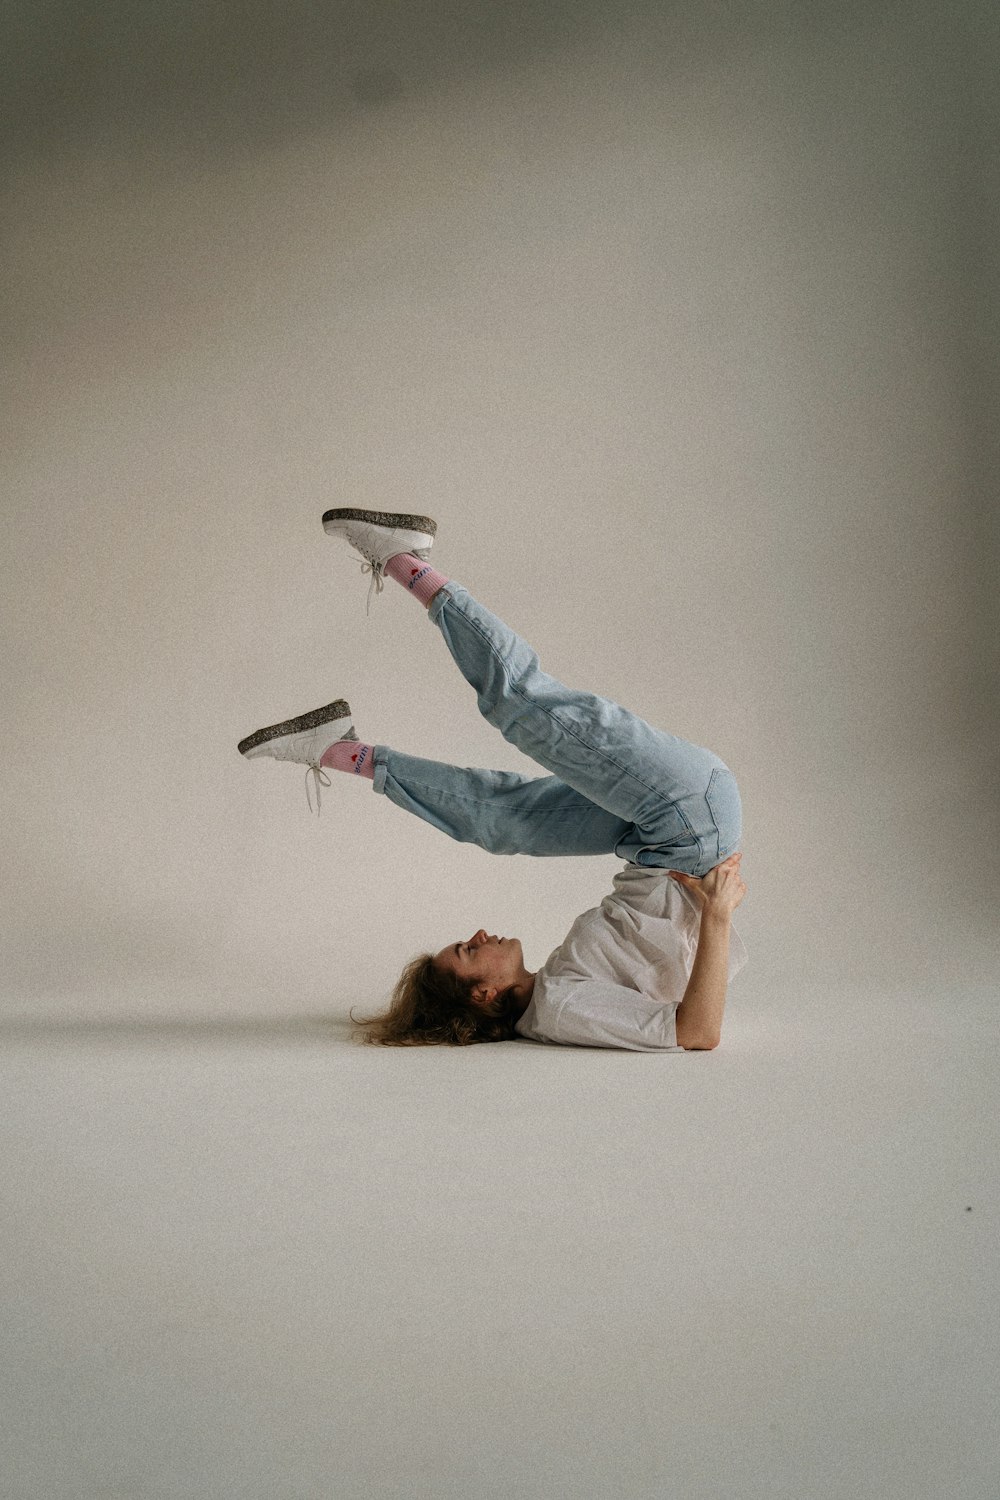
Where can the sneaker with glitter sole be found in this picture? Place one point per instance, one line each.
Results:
(304, 740)
(379, 535)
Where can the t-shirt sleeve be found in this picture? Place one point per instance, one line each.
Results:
(598, 1013)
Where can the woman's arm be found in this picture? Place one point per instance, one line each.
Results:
(699, 1015)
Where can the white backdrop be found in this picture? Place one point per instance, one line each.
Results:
(680, 320)
(675, 342)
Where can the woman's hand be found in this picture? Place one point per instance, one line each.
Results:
(721, 890)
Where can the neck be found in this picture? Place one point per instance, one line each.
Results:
(521, 993)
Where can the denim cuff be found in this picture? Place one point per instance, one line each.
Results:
(379, 754)
(443, 594)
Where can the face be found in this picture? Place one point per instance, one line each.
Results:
(494, 962)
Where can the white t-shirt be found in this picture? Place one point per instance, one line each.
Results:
(620, 973)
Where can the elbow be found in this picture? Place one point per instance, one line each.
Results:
(693, 1034)
(699, 1043)
(694, 1038)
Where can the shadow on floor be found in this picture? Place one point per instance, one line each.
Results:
(176, 1028)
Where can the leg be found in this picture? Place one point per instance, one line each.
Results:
(500, 811)
(680, 800)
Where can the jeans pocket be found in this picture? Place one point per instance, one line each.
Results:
(723, 798)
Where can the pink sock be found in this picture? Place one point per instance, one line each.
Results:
(415, 575)
(351, 755)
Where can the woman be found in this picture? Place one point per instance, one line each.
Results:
(648, 968)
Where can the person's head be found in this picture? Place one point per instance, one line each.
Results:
(470, 991)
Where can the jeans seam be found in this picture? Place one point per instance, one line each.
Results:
(488, 801)
(441, 791)
(564, 727)
(603, 754)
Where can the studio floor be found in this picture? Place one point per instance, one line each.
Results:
(252, 1260)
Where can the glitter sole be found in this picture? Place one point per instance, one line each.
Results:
(391, 518)
(340, 709)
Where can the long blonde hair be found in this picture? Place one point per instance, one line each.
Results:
(431, 1007)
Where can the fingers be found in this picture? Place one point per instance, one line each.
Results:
(732, 861)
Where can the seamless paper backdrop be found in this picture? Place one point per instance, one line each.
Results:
(681, 330)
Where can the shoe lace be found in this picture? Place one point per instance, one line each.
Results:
(320, 778)
(377, 570)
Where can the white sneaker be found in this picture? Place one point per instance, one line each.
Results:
(304, 740)
(379, 535)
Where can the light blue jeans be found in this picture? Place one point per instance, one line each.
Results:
(617, 785)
